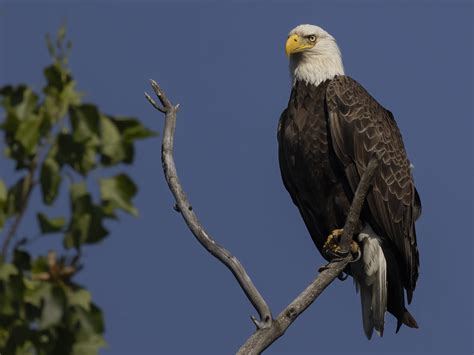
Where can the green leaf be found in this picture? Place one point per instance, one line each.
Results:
(4, 336)
(85, 123)
(8, 301)
(91, 321)
(79, 297)
(21, 123)
(7, 270)
(19, 101)
(70, 95)
(78, 191)
(60, 91)
(27, 348)
(56, 77)
(3, 192)
(53, 306)
(89, 327)
(80, 156)
(50, 225)
(16, 195)
(21, 259)
(58, 101)
(113, 149)
(35, 292)
(40, 265)
(87, 218)
(25, 109)
(86, 228)
(89, 346)
(77, 233)
(118, 135)
(50, 179)
(132, 129)
(28, 134)
(117, 192)
(88, 161)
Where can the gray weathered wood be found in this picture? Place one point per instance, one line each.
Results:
(186, 210)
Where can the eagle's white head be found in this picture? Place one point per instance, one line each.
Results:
(314, 55)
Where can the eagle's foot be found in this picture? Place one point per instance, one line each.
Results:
(355, 251)
(333, 250)
(331, 246)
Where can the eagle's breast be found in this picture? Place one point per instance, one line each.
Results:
(307, 158)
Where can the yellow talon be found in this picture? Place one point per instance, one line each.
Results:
(354, 248)
(337, 232)
(331, 246)
(332, 242)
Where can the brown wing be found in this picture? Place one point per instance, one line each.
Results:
(298, 193)
(281, 157)
(361, 128)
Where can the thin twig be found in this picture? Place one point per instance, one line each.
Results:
(184, 207)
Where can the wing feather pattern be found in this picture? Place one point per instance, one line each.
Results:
(360, 129)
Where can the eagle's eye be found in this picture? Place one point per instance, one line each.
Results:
(312, 38)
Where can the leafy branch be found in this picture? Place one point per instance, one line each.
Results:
(268, 329)
(27, 187)
(52, 137)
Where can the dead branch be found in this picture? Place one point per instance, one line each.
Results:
(268, 330)
(184, 207)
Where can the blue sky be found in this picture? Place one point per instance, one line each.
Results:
(225, 64)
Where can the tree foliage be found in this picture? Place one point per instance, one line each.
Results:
(56, 141)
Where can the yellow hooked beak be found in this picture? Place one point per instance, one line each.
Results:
(295, 44)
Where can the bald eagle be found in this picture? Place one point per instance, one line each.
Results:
(327, 135)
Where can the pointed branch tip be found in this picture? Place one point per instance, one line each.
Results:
(263, 324)
(161, 95)
(154, 104)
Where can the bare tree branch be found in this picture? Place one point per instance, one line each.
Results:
(262, 338)
(357, 203)
(186, 210)
(268, 330)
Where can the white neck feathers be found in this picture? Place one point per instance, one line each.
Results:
(318, 64)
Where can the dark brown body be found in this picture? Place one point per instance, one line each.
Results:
(305, 156)
(327, 136)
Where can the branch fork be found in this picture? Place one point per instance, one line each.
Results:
(268, 329)
(166, 104)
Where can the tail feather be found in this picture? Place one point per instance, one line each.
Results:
(366, 302)
(408, 320)
(379, 293)
(395, 290)
(370, 275)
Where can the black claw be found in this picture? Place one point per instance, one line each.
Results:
(335, 256)
(357, 257)
(324, 267)
(342, 277)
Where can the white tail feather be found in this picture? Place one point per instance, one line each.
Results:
(370, 276)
